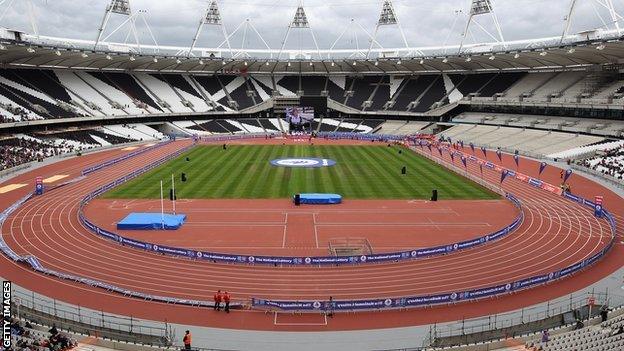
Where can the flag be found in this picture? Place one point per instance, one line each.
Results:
(472, 147)
(542, 167)
(484, 151)
(500, 155)
(504, 175)
(463, 159)
(567, 175)
(517, 159)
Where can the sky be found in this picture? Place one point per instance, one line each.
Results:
(424, 22)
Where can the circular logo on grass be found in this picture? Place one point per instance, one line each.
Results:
(303, 162)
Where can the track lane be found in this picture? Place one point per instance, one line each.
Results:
(103, 260)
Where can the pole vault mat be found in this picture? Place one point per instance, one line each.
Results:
(151, 221)
(320, 199)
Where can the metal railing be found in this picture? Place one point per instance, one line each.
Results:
(74, 318)
(525, 315)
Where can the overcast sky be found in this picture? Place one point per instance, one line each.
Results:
(425, 22)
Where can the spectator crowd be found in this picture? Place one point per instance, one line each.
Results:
(17, 151)
(610, 163)
(26, 338)
(18, 113)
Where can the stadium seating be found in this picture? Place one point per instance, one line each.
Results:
(605, 336)
(614, 128)
(43, 94)
(531, 141)
(610, 162)
(25, 337)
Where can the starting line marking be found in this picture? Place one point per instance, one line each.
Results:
(323, 322)
(11, 187)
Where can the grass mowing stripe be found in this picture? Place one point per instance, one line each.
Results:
(361, 172)
(384, 182)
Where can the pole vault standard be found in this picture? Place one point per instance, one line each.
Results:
(162, 206)
(173, 198)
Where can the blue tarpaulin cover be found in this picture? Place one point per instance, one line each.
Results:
(320, 199)
(151, 221)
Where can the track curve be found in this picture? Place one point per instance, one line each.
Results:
(555, 233)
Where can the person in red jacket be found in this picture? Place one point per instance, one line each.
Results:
(226, 299)
(187, 340)
(217, 300)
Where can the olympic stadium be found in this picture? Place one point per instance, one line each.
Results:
(316, 187)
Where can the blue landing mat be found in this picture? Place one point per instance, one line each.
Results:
(151, 221)
(320, 199)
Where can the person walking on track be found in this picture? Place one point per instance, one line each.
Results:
(226, 300)
(217, 300)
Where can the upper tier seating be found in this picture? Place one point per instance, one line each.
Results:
(601, 127)
(533, 141)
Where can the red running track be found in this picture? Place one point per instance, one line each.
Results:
(276, 227)
(554, 234)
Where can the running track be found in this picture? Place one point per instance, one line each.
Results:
(555, 234)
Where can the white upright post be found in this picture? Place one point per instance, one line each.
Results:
(162, 206)
(174, 193)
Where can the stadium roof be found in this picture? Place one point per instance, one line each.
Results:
(576, 51)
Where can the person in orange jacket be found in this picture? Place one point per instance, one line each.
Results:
(187, 340)
(217, 300)
(226, 300)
